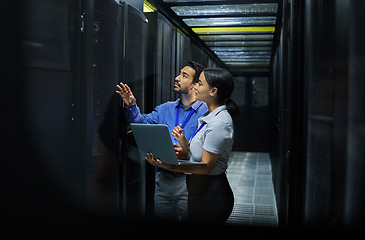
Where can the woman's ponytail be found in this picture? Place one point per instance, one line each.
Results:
(231, 107)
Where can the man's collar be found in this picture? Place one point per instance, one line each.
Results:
(195, 105)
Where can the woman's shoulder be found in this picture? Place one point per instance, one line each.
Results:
(223, 116)
(223, 119)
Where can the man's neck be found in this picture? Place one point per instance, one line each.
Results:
(187, 100)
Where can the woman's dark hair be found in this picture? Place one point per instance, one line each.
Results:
(223, 81)
(198, 70)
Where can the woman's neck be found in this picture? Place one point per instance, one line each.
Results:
(212, 106)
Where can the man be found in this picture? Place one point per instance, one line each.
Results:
(170, 188)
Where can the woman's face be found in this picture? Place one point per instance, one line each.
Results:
(203, 90)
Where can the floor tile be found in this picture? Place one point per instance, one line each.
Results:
(250, 177)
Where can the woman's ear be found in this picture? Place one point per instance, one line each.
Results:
(213, 91)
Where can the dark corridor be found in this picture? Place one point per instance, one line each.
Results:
(71, 163)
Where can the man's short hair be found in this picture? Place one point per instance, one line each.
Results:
(198, 70)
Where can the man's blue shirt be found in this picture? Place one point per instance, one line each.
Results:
(166, 114)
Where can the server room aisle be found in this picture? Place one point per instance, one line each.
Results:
(250, 177)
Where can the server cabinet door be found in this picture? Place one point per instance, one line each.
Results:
(119, 56)
(161, 50)
(48, 93)
(133, 168)
(106, 37)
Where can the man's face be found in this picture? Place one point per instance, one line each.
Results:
(184, 82)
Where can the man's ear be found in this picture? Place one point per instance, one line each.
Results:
(213, 91)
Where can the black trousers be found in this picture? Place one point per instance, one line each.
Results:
(210, 198)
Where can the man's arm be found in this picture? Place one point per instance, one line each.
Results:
(126, 94)
(133, 114)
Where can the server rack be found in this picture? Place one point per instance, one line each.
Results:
(73, 55)
(119, 47)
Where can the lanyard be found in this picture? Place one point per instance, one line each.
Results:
(197, 130)
(186, 120)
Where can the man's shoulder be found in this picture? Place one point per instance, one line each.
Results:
(168, 104)
(202, 106)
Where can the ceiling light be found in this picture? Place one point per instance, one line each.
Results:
(241, 53)
(214, 10)
(227, 21)
(242, 49)
(212, 30)
(241, 37)
(148, 7)
(238, 43)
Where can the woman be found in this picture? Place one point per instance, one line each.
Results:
(210, 198)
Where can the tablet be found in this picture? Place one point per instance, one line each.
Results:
(156, 139)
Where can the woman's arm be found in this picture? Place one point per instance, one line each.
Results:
(209, 158)
(179, 134)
